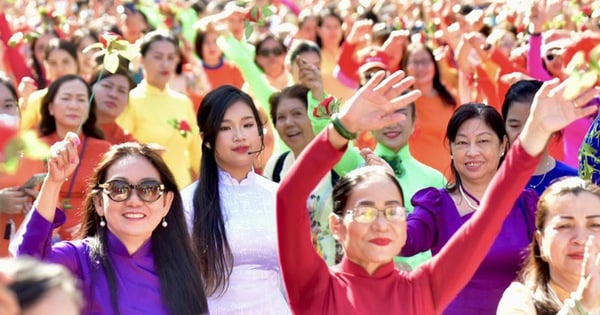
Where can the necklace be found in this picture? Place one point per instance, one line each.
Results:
(464, 194)
(532, 186)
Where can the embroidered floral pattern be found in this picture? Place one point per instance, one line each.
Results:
(589, 154)
(327, 108)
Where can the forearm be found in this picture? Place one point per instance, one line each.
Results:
(47, 199)
(535, 67)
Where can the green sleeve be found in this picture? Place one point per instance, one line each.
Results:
(243, 57)
(351, 158)
(188, 18)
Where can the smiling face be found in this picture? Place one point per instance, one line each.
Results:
(570, 219)
(70, 106)
(132, 220)
(159, 63)
(111, 95)
(237, 136)
(476, 151)
(371, 244)
(395, 137)
(293, 125)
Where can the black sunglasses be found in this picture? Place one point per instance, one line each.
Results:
(120, 190)
(264, 52)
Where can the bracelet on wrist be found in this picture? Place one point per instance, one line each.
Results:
(345, 133)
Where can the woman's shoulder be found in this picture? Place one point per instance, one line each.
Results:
(516, 299)
(430, 197)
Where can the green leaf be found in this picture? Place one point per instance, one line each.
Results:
(130, 52)
(254, 13)
(577, 60)
(595, 58)
(248, 29)
(91, 47)
(111, 62)
(267, 11)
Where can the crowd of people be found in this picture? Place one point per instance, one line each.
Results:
(305, 157)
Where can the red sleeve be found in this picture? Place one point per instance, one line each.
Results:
(456, 263)
(348, 65)
(17, 61)
(302, 268)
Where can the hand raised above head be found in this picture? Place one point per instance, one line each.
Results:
(374, 105)
(63, 158)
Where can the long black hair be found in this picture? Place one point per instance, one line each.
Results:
(210, 236)
(48, 123)
(175, 259)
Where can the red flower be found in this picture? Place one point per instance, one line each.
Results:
(108, 37)
(521, 29)
(326, 108)
(184, 126)
(587, 10)
(254, 15)
(511, 18)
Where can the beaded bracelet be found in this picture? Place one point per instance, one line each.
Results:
(337, 125)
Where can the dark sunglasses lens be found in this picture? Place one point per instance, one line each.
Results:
(267, 52)
(149, 191)
(118, 190)
(550, 57)
(277, 52)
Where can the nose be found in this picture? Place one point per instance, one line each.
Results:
(134, 199)
(381, 223)
(238, 134)
(580, 236)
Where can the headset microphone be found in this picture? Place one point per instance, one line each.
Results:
(262, 147)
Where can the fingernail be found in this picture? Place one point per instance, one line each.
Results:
(77, 141)
(73, 161)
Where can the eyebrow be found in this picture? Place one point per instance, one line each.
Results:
(243, 118)
(372, 203)
(477, 135)
(570, 217)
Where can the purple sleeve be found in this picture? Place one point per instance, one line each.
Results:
(37, 241)
(421, 223)
(535, 67)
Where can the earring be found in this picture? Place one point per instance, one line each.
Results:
(102, 222)
(164, 223)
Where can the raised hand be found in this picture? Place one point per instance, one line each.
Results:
(374, 106)
(63, 158)
(551, 111)
(310, 76)
(588, 291)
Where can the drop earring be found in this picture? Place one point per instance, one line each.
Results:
(102, 222)
(164, 223)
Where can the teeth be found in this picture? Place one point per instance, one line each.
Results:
(133, 215)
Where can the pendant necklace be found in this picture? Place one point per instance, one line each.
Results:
(530, 185)
(464, 194)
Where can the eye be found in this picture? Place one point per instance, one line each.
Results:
(249, 125)
(460, 142)
(224, 128)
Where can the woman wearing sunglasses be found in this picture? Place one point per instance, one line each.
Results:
(135, 254)
(366, 281)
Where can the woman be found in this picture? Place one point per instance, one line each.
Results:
(81, 39)
(478, 143)
(111, 96)
(560, 277)
(66, 108)
(515, 111)
(42, 288)
(232, 210)
(158, 114)
(135, 256)
(366, 282)
(60, 59)
(289, 113)
(434, 108)
(15, 200)
(270, 54)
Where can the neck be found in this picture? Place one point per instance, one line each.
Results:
(161, 86)
(61, 131)
(369, 267)
(212, 62)
(426, 88)
(101, 119)
(475, 189)
(563, 287)
(133, 244)
(546, 164)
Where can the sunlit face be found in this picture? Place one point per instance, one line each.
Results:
(331, 31)
(111, 95)
(211, 53)
(270, 56)
(515, 119)
(132, 220)
(60, 63)
(8, 103)
(86, 60)
(476, 150)
(160, 62)
(70, 105)
(376, 243)
(570, 220)
(238, 136)
(420, 66)
(39, 49)
(310, 57)
(553, 61)
(293, 125)
(54, 302)
(235, 22)
(395, 137)
(308, 29)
